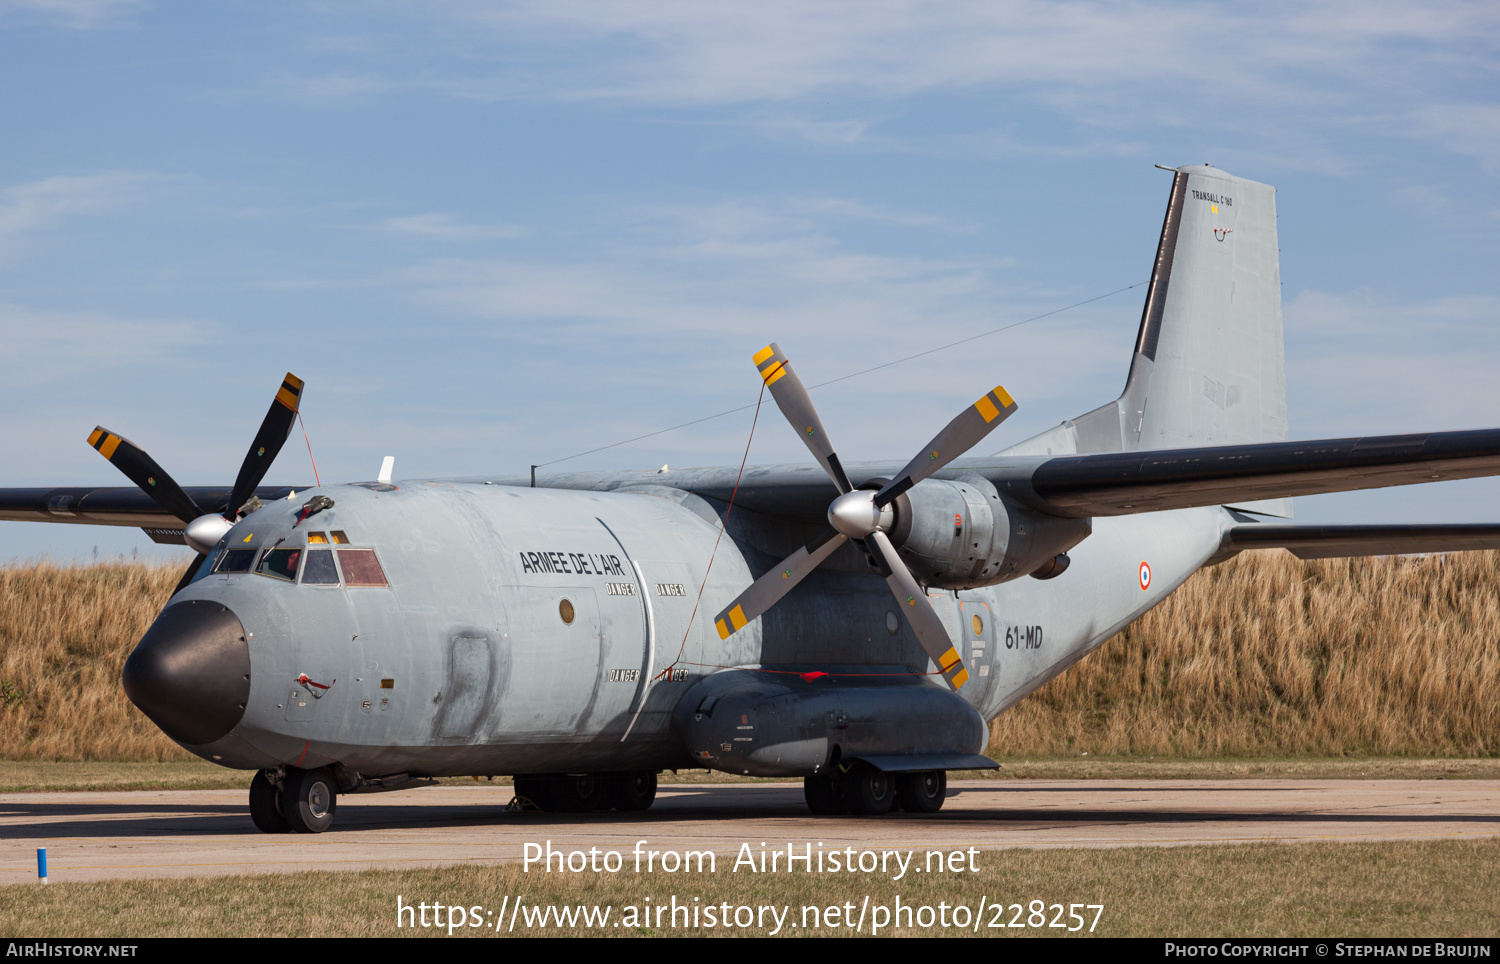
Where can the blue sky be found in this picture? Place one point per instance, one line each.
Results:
(489, 235)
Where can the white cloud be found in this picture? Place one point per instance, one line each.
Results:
(27, 209)
(725, 267)
(450, 228)
(1360, 363)
(681, 51)
(1293, 77)
(1367, 315)
(78, 14)
(44, 347)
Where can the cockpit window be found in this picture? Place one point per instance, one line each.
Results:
(317, 538)
(236, 560)
(361, 568)
(280, 563)
(318, 568)
(339, 538)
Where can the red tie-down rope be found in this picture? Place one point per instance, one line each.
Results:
(667, 673)
(309, 452)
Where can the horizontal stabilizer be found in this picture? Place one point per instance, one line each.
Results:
(1331, 542)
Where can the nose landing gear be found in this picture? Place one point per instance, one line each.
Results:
(303, 801)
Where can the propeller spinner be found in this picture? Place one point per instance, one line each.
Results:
(864, 515)
(204, 529)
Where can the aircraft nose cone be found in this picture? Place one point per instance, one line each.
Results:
(190, 673)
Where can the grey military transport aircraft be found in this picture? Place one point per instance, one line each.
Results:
(584, 632)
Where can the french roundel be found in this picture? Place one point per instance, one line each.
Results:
(1145, 575)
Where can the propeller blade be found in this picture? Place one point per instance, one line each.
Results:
(794, 402)
(142, 469)
(960, 435)
(268, 441)
(767, 591)
(920, 615)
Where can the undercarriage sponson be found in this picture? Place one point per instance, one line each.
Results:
(774, 722)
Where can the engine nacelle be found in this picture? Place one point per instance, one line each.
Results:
(964, 534)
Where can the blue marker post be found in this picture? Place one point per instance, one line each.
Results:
(41, 863)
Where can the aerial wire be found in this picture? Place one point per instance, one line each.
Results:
(723, 522)
(831, 381)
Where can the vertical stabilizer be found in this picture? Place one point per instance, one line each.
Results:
(1212, 322)
(1209, 367)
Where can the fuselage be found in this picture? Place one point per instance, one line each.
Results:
(511, 630)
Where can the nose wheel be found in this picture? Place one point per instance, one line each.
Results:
(265, 805)
(304, 801)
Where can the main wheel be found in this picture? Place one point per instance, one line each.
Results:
(869, 791)
(824, 794)
(577, 792)
(633, 791)
(922, 792)
(536, 790)
(265, 805)
(309, 799)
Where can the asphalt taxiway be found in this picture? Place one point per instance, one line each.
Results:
(133, 834)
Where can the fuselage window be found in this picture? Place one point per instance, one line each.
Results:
(318, 569)
(280, 563)
(236, 560)
(361, 568)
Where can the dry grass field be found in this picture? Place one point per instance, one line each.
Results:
(64, 636)
(1268, 655)
(1262, 657)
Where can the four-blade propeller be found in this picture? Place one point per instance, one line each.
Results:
(204, 528)
(864, 515)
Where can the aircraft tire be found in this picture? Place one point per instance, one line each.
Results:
(633, 791)
(824, 795)
(537, 790)
(309, 799)
(922, 792)
(577, 792)
(869, 791)
(265, 805)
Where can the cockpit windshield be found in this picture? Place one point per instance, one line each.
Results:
(280, 563)
(236, 560)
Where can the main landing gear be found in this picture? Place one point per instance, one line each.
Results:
(585, 792)
(866, 791)
(303, 801)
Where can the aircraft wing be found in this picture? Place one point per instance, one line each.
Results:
(1331, 542)
(115, 506)
(1114, 483)
(1123, 483)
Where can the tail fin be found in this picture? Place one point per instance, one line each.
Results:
(1209, 366)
